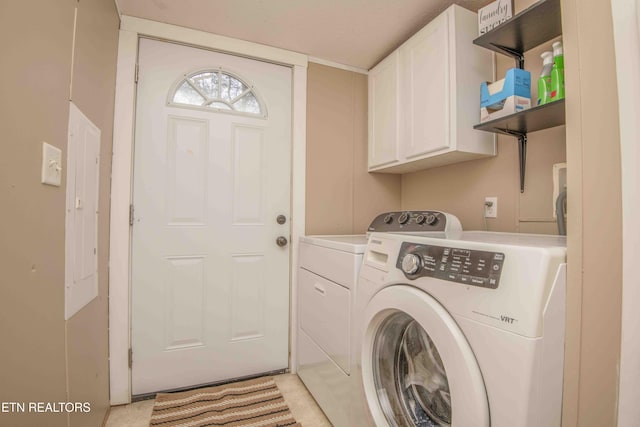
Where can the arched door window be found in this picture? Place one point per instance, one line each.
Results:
(217, 89)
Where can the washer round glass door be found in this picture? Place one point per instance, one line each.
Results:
(418, 368)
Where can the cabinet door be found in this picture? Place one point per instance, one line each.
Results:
(383, 112)
(425, 89)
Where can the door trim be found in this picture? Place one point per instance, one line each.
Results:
(122, 173)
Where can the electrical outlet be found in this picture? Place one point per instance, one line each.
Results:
(490, 207)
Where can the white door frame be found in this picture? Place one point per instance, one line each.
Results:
(626, 31)
(131, 29)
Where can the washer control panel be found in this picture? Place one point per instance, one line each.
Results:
(466, 266)
(406, 221)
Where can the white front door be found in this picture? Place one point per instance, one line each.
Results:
(210, 286)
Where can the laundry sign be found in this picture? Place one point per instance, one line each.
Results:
(494, 14)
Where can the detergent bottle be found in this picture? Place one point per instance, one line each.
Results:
(544, 81)
(557, 72)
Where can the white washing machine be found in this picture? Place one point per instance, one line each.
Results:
(464, 330)
(327, 287)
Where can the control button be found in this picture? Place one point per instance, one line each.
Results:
(479, 281)
(431, 219)
(404, 218)
(388, 219)
(411, 263)
(493, 282)
(498, 257)
(464, 279)
(420, 219)
(495, 267)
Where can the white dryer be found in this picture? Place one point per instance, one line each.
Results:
(327, 288)
(461, 330)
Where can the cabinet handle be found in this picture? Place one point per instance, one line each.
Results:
(320, 289)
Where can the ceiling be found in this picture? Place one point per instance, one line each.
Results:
(358, 33)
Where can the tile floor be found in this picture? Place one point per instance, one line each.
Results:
(303, 407)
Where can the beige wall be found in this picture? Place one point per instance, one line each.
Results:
(342, 198)
(45, 358)
(34, 107)
(93, 91)
(594, 291)
(461, 188)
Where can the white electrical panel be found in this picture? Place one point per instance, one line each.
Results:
(81, 234)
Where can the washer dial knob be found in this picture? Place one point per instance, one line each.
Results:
(404, 218)
(420, 219)
(432, 219)
(411, 263)
(387, 219)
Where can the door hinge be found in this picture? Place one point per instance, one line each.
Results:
(130, 358)
(135, 77)
(131, 214)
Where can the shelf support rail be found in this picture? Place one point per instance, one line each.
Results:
(517, 55)
(522, 151)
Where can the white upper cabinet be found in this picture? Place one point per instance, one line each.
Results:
(425, 90)
(428, 121)
(383, 112)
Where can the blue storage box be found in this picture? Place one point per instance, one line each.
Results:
(517, 82)
(507, 96)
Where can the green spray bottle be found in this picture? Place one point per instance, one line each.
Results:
(557, 73)
(544, 81)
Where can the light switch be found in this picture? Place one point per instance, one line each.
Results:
(51, 165)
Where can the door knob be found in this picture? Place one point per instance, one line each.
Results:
(281, 219)
(281, 241)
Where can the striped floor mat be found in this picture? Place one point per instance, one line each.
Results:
(252, 403)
